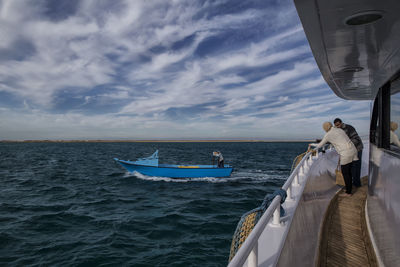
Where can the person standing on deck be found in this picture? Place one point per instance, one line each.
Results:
(353, 135)
(346, 149)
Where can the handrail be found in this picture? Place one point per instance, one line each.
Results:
(251, 242)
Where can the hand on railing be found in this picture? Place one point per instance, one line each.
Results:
(315, 150)
(312, 145)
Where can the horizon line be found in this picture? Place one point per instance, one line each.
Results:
(153, 141)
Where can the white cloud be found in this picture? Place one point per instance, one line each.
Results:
(110, 43)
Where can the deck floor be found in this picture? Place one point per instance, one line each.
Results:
(345, 240)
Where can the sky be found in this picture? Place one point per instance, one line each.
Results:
(162, 69)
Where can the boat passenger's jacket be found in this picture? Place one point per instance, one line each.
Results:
(353, 135)
(342, 143)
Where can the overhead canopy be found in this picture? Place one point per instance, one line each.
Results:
(356, 43)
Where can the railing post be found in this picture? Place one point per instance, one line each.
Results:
(305, 167)
(289, 193)
(276, 220)
(296, 180)
(253, 257)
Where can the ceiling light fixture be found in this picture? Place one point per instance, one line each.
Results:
(352, 69)
(365, 17)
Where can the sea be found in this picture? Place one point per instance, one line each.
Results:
(71, 204)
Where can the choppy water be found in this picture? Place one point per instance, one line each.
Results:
(71, 204)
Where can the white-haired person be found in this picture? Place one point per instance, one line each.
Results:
(394, 139)
(344, 147)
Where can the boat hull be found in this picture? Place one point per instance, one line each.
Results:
(177, 171)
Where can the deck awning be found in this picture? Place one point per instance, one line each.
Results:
(356, 43)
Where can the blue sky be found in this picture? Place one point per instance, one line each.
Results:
(162, 70)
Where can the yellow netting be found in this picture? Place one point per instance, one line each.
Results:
(297, 160)
(243, 229)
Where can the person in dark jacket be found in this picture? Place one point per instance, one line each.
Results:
(353, 135)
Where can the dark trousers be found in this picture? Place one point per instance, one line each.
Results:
(220, 164)
(346, 171)
(356, 170)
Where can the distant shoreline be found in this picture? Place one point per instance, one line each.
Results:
(157, 141)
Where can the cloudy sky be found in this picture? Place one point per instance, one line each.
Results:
(176, 69)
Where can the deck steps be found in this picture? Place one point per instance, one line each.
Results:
(345, 240)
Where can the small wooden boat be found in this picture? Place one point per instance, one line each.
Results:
(149, 166)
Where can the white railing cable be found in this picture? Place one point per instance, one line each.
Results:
(249, 249)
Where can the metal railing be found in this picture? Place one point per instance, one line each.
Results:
(249, 250)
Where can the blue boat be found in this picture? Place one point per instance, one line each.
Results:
(149, 166)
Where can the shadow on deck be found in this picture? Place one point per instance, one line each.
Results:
(345, 240)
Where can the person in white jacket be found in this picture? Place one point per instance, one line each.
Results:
(394, 139)
(344, 147)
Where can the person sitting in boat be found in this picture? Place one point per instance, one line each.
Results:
(344, 147)
(220, 159)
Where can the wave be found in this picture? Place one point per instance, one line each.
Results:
(176, 180)
(257, 176)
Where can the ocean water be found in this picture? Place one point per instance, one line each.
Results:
(70, 204)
